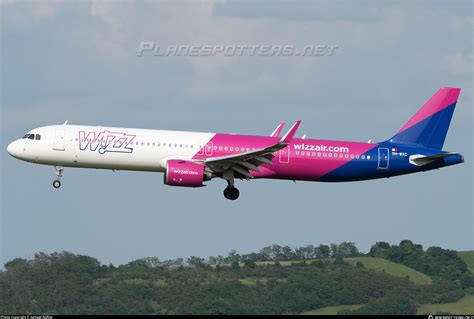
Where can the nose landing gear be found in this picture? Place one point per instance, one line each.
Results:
(59, 174)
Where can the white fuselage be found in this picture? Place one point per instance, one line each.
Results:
(108, 147)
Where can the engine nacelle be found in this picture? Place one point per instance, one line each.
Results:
(184, 173)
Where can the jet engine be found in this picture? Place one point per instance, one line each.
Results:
(185, 173)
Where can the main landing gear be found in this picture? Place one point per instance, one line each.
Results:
(59, 174)
(230, 192)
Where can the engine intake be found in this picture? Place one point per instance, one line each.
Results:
(184, 173)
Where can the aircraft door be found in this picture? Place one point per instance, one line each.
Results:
(284, 155)
(59, 139)
(209, 148)
(383, 158)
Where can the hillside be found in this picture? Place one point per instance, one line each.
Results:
(276, 280)
(330, 310)
(468, 258)
(377, 264)
(391, 268)
(463, 306)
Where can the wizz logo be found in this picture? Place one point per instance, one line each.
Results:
(106, 141)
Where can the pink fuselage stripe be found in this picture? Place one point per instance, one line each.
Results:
(310, 166)
(443, 98)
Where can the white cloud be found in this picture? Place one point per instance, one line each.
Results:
(7, 2)
(459, 63)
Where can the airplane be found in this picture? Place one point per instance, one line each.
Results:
(188, 159)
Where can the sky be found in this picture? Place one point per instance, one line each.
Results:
(77, 61)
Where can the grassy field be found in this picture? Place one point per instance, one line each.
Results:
(331, 310)
(391, 268)
(377, 264)
(464, 306)
(468, 258)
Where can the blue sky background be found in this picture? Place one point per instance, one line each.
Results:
(76, 61)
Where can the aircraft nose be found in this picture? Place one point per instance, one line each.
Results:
(12, 148)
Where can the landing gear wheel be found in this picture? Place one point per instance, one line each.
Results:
(57, 184)
(231, 193)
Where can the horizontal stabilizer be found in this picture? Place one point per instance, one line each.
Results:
(419, 159)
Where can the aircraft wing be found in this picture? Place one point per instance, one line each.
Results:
(245, 162)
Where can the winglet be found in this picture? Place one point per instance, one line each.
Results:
(291, 132)
(277, 131)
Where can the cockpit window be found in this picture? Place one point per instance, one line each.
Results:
(32, 136)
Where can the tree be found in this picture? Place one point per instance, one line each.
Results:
(348, 249)
(390, 305)
(235, 266)
(249, 263)
(379, 249)
(233, 256)
(196, 261)
(444, 263)
(323, 252)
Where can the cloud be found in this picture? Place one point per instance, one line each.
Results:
(460, 63)
(35, 11)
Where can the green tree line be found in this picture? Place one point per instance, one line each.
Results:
(65, 283)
